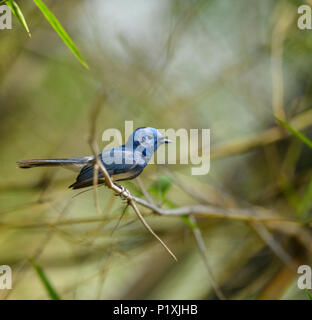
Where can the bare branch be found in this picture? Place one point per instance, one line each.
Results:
(245, 214)
(135, 208)
(202, 249)
(280, 252)
(145, 193)
(95, 183)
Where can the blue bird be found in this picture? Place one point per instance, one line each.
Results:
(124, 162)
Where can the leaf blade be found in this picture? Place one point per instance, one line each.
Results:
(45, 281)
(309, 295)
(295, 132)
(56, 25)
(18, 14)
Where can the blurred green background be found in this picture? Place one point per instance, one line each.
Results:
(218, 64)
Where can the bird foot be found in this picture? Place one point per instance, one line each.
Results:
(124, 193)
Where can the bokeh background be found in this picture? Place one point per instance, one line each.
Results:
(218, 64)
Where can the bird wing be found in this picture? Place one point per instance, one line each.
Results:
(120, 163)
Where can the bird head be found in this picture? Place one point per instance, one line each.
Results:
(146, 140)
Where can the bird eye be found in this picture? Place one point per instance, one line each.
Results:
(150, 137)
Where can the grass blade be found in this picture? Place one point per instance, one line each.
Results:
(18, 14)
(60, 31)
(296, 133)
(309, 295)
(46, 282)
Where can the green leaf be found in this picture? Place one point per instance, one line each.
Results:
(309, 295)
(296, 133)
(162, 185)
(46, 282)
(60, 31)
(18, 14)
(160, 188)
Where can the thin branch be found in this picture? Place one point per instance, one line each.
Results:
(145, 193)
(119, 220)
(95, 183)
(201, 246)
(284, 21)
(24, 264)
(202, 249)
(95, 111)
(280, 252)
(137, 211)
(258, 214)
(185, 188)
(242, 214)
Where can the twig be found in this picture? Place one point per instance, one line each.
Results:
(119, 220)
(279, 33)
(185, 188)
(137, 211)
(200, 243)
(274, 245)
(244, 214)
(95, 183)
(25, 262)
(93, 117)
(241, 214)
(202, 249)
(145, 193)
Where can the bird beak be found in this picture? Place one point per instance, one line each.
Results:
(167, 140)
(164, 140)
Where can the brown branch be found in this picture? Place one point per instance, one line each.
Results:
(202, 249)
(144, 191)
(280, 30)
(137, 211)
(258, 214)
(252, 214)
(95, 183)
(280, 252)
(200, 243)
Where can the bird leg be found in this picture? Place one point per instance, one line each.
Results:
(124, 193)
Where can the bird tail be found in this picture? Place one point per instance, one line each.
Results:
(71, 162)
